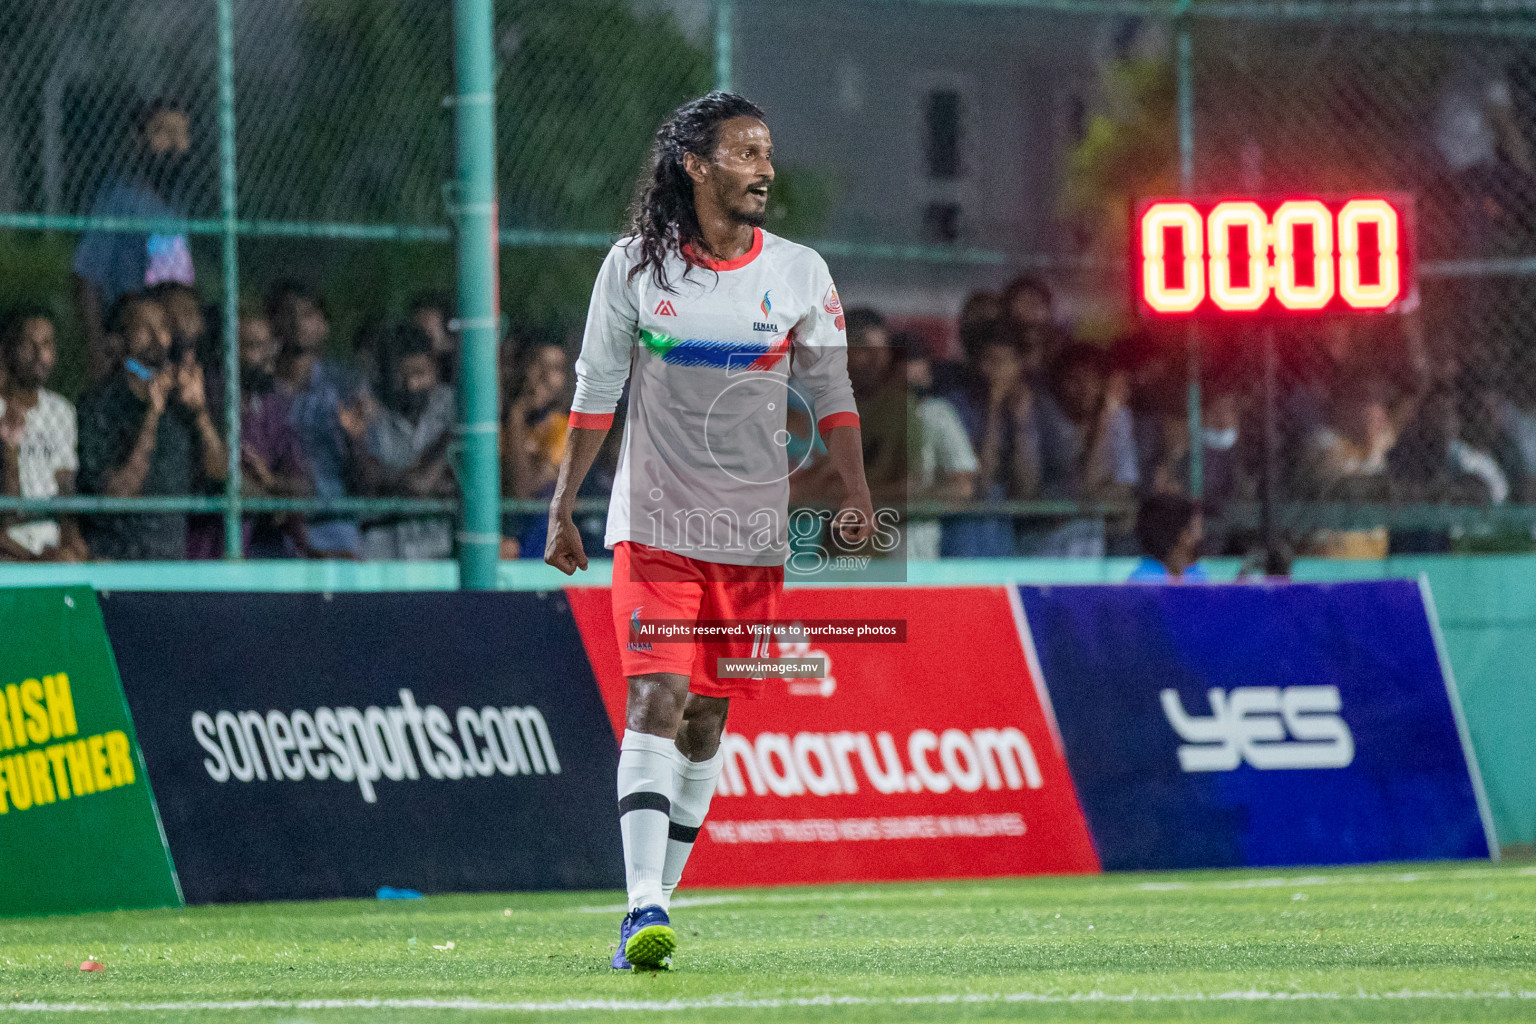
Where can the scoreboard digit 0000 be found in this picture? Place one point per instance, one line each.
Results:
(1240, 256)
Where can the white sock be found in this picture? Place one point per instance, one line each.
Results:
(694, 784)
(646, 785)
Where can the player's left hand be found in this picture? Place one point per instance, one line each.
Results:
(855, 520)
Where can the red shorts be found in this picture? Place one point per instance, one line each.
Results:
(649, 583)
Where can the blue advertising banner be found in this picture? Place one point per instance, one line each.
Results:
(319, 745)
(1257, 724)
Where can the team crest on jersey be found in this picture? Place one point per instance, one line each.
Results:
(634, 631)
(767, 307)
(665, 308)
(830, 302)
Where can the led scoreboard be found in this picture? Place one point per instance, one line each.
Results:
(1273, 257)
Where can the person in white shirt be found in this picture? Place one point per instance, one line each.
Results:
(37, 442)
(710, 320)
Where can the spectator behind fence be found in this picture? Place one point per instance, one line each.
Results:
(1028, 304)
(433, 313)
(1515, 423)
(271, 458)
(402, 450)
(111, 264)
(1435, 462)
(944, 467)
(1346, 460)
(533, 432)
(997, 410)
(1087, 448)
(37, 429)
(189, 338)
(320, 393)
(880, 388)
(188, 323)
(538, 391)
(1169, 530)
(145, 430)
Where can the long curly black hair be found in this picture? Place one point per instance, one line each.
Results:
(663, 216)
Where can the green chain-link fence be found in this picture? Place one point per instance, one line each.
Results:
(342, 144)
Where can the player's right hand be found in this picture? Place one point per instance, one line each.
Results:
(563, 549)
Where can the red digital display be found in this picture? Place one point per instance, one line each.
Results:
(1219, 256)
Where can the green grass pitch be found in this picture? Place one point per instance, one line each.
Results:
(1452, 942)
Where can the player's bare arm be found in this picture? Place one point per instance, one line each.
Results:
(856, 516)
(563, 548)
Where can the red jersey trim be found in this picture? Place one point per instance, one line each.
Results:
(837, 419)
(708, 263)
(591, 420)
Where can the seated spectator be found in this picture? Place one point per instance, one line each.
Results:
(111, 264)
(1163, 437)
(433, 313)
(1221, 417)
(880, 389)
(534, 426)
(1029, 305)
(978, 311)
(997, 411)
(525, 536)
(37, 429)
(944, 467)
(190, 339)
(1346, 460)
(271, 458)
(189, 324)
(145, 430)
(1087, 448)
(1434, 462)
(1169, 529)
(1348, 451)
(1514, 422)
(402, 450)
(369, 358)
(319, 391)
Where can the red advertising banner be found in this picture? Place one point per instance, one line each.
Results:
(930, 758)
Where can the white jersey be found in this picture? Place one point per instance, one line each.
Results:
(704, 466)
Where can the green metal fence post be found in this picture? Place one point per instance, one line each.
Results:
(232, 533)
(1186, 108)
(475, 212)
(724, 11)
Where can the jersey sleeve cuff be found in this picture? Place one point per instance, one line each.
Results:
(591, 420)
(837, 419)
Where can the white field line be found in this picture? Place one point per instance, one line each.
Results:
(1277, 882)
(743, 1003)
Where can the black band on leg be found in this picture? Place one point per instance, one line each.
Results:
(682, 833)
(643, 801)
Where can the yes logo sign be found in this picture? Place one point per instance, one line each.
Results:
(1266, 726)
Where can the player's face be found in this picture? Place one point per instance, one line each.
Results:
(739, 173)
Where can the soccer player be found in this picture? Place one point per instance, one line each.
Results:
(711, 320)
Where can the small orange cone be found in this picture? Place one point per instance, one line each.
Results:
(93, 965)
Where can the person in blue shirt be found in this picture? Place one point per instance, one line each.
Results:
(111, 264)
(1169, 529)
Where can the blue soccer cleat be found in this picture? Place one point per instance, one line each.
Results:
(626, 929)
(646, 940)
